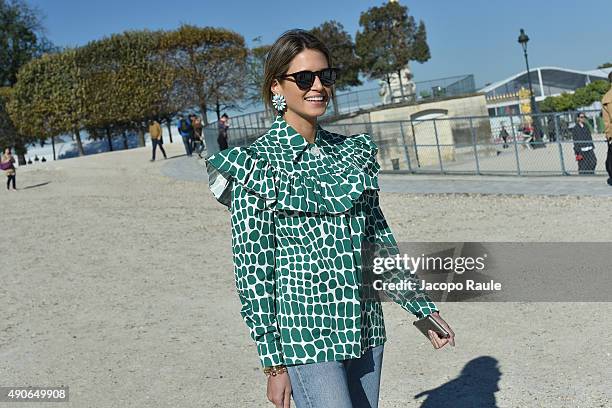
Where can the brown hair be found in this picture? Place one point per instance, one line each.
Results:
(282, 52)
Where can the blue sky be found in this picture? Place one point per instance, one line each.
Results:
(466, 36)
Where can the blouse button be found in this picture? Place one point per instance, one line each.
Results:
(315, 150)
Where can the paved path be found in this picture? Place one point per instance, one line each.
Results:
(191, 169)
(568, 185)
(124, 291)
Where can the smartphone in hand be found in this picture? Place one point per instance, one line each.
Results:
(429, 323)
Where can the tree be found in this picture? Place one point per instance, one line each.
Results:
(21, 40)
(125, 81)
(197, 54)
(420, 50)
(342, 50)
(8, 133)
(225, 84)
(389, 40)
(605, 65)
(581, 97)
(48, 98)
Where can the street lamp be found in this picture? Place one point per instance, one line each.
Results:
(523, 39)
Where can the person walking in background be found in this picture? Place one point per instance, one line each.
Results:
(222, 126)
(504, 135)
(606, 112)
(527, 131)
(198, 139)
(583, 146)
(155, 131)
(551, 131)
(185, 130)
(7, 164)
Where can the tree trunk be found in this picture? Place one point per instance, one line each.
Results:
(77, 137)
(110, 141)
(141, 136)
(390, 90)
(204, 109)
(169, 126)
(125, 140)
(218, 110)
(53, 146)
(20, 150)
(399, 75)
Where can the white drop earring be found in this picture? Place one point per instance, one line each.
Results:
(279, 103)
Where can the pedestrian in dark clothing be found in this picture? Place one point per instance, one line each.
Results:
(186, 130)
(552, 133)
(583, 146)
(537, 141)
(504, 135)
(222, 127)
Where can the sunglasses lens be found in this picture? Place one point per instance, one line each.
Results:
(304, 80)
(328, 77)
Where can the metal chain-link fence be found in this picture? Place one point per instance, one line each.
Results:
(541, 144)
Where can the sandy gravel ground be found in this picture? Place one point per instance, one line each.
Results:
(117, 282)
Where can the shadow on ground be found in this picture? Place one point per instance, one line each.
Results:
(36, 185)
(475, 387)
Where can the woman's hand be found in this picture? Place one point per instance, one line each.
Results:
(437, 341)
(279, 390)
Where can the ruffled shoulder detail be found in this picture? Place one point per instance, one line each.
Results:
(332, 192)
(365, 151)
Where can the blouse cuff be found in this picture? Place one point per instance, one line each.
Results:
(420, 306)
(270, 350)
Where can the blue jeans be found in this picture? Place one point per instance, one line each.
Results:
(187, 143)
(351, 383)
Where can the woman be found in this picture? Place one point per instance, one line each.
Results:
(10, 172)
(583, 146)
(304, 206)
(198, 139)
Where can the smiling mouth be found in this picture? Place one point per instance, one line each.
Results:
(320, 98)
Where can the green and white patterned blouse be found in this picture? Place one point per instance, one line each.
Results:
(301, 215)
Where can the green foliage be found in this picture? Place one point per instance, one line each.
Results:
(124, 79)
(120, 82)
(48, 96)
(342, 49)
(420, 49)
(606, 65)
(584, 96)
(389, 39)
(20, 38)
(209, 63)
(8, 133)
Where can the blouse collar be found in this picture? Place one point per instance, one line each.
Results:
(290, 138)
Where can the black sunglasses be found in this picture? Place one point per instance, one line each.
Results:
(305, 79)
